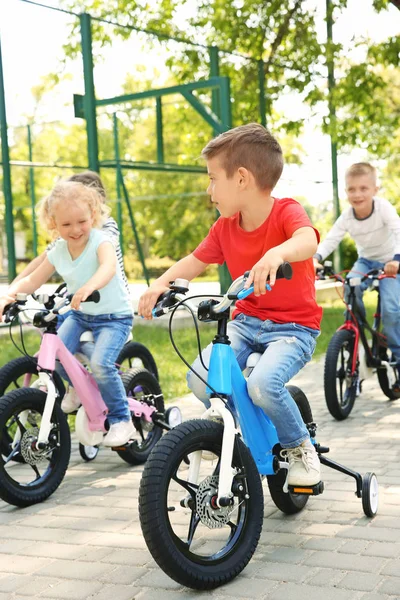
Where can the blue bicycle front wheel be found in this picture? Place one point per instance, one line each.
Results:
(196, 542)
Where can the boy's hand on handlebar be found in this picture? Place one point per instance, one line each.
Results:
(80, 296)
(317, 265)
(149, 299)
(266, 267)
(392, 267)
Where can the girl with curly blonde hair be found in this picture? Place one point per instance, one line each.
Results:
(84, 256)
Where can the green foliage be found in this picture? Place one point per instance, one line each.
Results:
(171, 210)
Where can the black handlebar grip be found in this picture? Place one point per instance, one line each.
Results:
(158, 312)
(285, 271)
(9, 312)
(94, 297)
(61, 287)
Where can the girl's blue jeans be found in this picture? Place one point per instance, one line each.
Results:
(390, 301)
(285, 348)
(110, 333)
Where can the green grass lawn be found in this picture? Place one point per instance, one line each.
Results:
(172, 370)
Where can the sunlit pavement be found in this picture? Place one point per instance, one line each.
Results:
(85, 541)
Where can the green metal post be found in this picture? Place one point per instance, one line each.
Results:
(159, 131)
(135, 233)
(214, 72)
(332, 121)
(89, 100)
(225, 97)
(261, 92)
(221, 106)
(119, 195)
(32, 192)
(7, 189)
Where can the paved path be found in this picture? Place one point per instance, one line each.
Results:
(85, 541)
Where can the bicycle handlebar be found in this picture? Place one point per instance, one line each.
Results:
(11, 310)
(374, 274)
(170, 298)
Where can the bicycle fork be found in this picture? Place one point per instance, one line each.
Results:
(44, 382)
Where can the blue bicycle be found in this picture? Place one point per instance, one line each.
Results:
(201, 500)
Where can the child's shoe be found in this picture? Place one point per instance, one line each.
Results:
(70, 403)
(304, 465)
(396, 385)
(119, 434)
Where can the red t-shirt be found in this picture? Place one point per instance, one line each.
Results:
(289, 301)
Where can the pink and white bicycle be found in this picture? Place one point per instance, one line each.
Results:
(23, 371)
(34, 432)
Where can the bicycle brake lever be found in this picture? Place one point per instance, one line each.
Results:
(244, 293)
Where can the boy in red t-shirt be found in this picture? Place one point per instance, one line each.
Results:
(258, 232)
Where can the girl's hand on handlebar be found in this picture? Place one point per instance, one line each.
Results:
(149, 299)
(266, 267)
(392, 267)
(80, 296)
(4, 301)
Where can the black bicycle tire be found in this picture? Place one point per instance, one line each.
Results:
(132, 454)
(289, 503)
(152, 510)
(24, 365)
(12, 492)
(383, 380)
(138, 350)
(12, 371)
(338, 340)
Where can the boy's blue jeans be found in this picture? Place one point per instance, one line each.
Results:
(390, 301)
(110, 333)
(285, 348)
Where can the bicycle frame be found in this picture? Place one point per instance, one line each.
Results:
(259, 434)
(357, 326)
(84, 383)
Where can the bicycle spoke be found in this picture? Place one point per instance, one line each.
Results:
(189, 487)
(140, 430)
(20, 426)
(13, 453)
(194, 521)
(234, 529)
(36, 470)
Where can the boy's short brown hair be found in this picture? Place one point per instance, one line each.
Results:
(250, 146)
(361, 168)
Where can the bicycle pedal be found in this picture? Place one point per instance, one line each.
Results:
(119, 448)
(309, 490)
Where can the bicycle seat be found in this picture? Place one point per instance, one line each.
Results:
(251, 363)
(87, 336)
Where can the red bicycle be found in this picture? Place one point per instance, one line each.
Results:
(351, 356)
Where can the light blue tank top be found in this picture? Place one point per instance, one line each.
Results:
(114, 298)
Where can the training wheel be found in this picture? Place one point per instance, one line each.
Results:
(173, 416)
(370, 494)
(88, 453)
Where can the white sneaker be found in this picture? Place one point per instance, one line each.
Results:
(119, 433)
(304, 465)
(70, 402)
